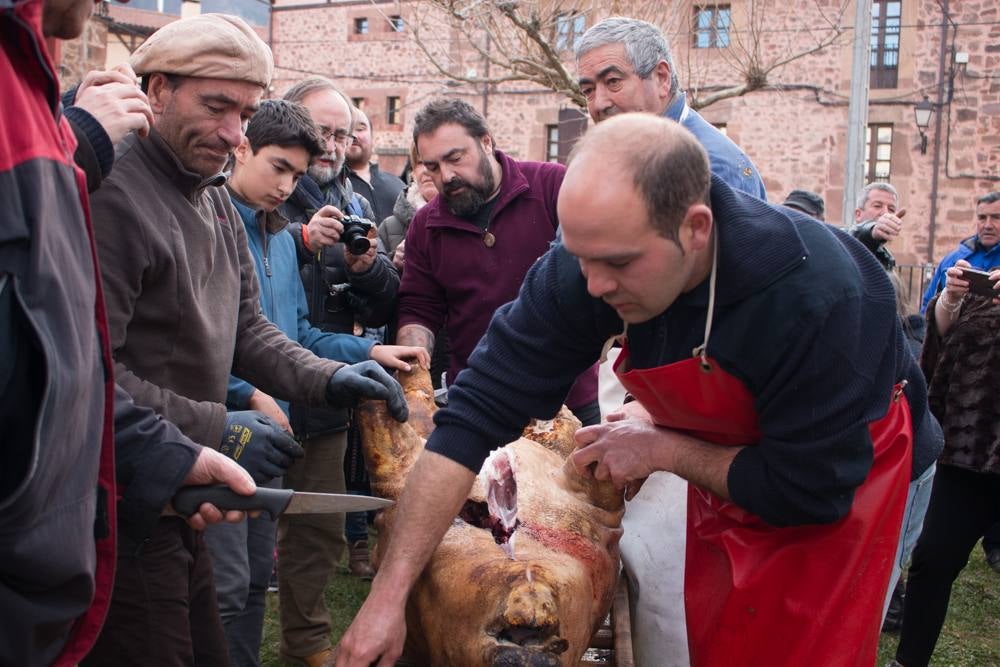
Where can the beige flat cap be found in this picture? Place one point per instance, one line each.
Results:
(211, 46)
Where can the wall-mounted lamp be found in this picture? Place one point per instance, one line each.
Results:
(923, 111)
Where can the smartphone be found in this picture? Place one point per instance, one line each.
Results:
(980, 283)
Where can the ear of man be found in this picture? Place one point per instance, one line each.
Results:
(243, 151)
(697, 226)
(158, 92)
(663, 76)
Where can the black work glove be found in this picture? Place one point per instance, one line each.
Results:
(256, 442)
(366, 380)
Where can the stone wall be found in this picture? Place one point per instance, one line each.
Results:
(83, 54)
(796, 134)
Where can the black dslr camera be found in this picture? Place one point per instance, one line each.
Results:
(355, 234)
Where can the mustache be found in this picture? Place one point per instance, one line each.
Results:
(454, 184)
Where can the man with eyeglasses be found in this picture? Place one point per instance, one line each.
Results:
(345, 292)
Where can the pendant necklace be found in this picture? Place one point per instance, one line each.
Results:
(489, 240)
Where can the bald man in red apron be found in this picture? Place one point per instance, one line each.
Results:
(765, 351)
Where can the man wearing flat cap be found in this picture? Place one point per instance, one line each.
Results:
(807, 202)
(183, 312)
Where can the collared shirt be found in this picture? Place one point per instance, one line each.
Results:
(728, 161)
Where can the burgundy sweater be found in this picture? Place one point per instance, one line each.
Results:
(453, 277)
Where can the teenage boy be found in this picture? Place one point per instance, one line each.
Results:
(280, 143)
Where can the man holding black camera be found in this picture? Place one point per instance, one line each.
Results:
(348, 287)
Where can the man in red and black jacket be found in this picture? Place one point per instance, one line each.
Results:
(73, 440)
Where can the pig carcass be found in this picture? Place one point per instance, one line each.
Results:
(527, 571)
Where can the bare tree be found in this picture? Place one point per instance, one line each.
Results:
(499, 42)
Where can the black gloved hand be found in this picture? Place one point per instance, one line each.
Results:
(257, 443)
(366, 380)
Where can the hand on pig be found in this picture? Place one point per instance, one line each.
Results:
(620, 450)
(376, 635)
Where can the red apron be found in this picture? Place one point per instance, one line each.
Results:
(760, 595)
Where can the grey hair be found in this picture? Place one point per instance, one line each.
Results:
(885, 187)
(989, 198)
(644, 43)
(315, 84)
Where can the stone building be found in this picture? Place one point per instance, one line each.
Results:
(795, 128)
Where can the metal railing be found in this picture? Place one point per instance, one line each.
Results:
(914, 279)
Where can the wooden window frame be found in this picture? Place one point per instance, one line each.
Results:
(718, 35)
(885, 37)
(872, 159)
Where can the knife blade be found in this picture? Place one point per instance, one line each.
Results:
(273, 501)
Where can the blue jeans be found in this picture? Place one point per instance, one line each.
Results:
(242, 561)
(918, 496)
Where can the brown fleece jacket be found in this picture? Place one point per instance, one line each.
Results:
(182, 295)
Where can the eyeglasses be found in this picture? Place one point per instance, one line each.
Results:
(341, 137)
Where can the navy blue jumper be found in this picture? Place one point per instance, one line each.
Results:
(805, 317)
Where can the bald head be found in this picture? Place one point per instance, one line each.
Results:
(631, 210)
(664, 162)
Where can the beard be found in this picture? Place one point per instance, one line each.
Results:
(358, 156)
(467, 203)
(324, 175)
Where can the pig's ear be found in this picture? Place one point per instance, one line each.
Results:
(555, 434)
(604, 495)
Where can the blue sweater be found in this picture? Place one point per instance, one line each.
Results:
(972, 252)
(283, 299)
(805, 317)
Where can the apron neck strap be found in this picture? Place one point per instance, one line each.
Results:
(609, 343)
(700, 351)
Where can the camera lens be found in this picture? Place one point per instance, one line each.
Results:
(358, 245)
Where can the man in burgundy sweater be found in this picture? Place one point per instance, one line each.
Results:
(468, 249)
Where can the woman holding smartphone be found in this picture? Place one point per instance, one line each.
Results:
(961, 359)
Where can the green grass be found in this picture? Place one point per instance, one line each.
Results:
(344, 596)
(970, 637)
(971, 633)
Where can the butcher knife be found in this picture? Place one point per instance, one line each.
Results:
(273, 501)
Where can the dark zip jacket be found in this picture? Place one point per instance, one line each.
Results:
(369, 297)
(381, 193)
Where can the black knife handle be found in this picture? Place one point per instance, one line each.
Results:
(273, 501)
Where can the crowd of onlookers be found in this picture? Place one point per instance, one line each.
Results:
(185, 264)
